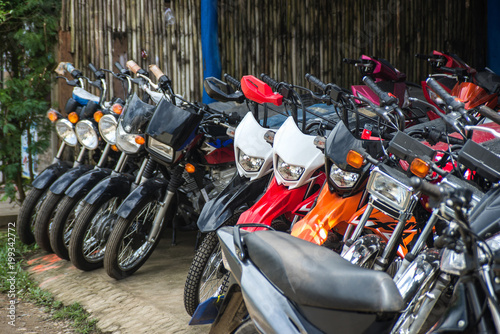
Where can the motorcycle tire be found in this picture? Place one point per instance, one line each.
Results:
(44, 219)
(208, 252)
(247, 327)
(27, 215)
(63, 224)
(86, 248)
(126, 234)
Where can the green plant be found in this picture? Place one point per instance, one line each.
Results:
(28, 33)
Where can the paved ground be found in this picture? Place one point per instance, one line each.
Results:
(150, 301)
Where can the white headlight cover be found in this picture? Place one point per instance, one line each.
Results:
(248, 163)
(389, 190)
(65, 131)
(162, 149)
(86, 134)
(107, 128)
(289, 172)
(126, 141)
(342, 178)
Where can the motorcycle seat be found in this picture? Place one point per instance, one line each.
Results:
(312, 275)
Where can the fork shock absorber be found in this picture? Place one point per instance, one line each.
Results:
(175, 182)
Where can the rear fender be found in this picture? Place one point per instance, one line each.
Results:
(50, 174)
(111, 186)
(154, 188)
(237, 193)
(64, 181)
(87, 181)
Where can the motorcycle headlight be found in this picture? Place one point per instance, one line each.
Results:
(107, 128)
(387, 189)
(342, 178)
(289, 172)
(248, 163)
(126, 141)
(162, 149)
(65, 131)
(86, 134)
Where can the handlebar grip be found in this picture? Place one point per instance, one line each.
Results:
(350, 61)
(421, 56)
(315, 81)
(450, 100)
(384, 97)
(156, 71)
(270, 81)
(427, 188)
(119, 66)
(132, 65)
(232, 81)
(92, 68)
(70, 68)
(489, 113)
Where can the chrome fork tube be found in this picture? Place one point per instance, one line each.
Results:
(104, 155)
(121, 163)
(419, 245)
(361, 224)
(160, 215)
(79, 160)
(59, 152)
(381, 262)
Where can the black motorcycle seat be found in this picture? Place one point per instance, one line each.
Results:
(312, 275)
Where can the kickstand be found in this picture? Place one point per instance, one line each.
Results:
(197, 242)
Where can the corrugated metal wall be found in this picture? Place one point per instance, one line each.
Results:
(284, 38)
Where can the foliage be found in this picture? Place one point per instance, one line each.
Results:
(28, 33)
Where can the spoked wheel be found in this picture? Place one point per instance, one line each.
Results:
(27, 215)
(207, 276)
(44, 220)
(91, 232)
(128, 247)
(62, 225)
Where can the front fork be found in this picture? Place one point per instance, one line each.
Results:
(176, 181)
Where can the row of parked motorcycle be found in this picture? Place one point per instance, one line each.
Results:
(368, 210)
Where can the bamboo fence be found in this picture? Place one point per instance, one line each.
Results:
(283, 38)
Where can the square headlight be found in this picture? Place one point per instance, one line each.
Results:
(162, 149)
(389, 190)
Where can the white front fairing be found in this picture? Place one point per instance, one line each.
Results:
(249, 138)
(296, 148)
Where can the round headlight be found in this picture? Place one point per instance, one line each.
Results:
(126, 141)
(289, 172)
(248, 163)
(107, 128)
(65, 131)
(86, 134)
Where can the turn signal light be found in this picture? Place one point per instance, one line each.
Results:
(190, 168)
(97, 115)
(419, 167)
(52, 115)
(114, 148)
(73, 117)
(140, 140)
(355, 159)
(117, 108)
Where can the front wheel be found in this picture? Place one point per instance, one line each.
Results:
(128, 247)
(62, 225)
(91, 232)
(27, 215)
(43, 222)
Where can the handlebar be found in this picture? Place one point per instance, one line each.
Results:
(350, 61)
(270, 81)
(156, 71)
(317, 82)
(232, 81)
(384, 97)
(136, 69)
(431, 190)
(489, 113)
(97, 73)
(451, 101)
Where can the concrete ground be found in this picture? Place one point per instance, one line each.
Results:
(150, 301)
